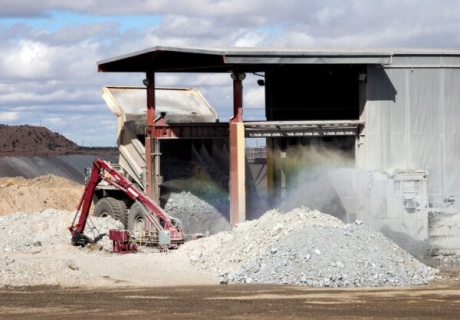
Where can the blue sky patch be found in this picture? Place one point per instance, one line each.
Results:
(58, 19)
(273, 29)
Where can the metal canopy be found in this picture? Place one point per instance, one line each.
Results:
(180, 59)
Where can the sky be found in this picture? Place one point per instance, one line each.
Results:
(49, 48)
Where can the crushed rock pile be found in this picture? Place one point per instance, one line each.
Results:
(196, 215)
(47, 228)
(195, 193)
(301, 247)
(304, 247)
(44, 237)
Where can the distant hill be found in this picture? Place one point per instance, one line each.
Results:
(25, 140)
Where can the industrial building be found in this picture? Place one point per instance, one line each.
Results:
(390, 114)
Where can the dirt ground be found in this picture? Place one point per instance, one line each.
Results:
(439, 301)
(18, 194)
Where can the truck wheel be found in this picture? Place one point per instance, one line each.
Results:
(124, 213)
(110, 207)
(136, 219)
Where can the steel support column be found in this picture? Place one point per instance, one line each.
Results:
(151, 143)
(237, 154)
(361, 137)
(237, 174)
(271, 171)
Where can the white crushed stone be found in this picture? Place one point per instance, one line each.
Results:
(304, 247)
(47, 228)
(300, 247)
(36, 249)
(197, 215)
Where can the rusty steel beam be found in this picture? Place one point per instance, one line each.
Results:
(149, 137)
(152, 145)
(190, 130)
(237, 97)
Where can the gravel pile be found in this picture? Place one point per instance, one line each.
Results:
(198, 197)
(36, 249)
(197, 215)
(194, 193)
(304, 247)
(47, 228)
(301, 247)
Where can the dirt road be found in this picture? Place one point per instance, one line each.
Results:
(439, 301)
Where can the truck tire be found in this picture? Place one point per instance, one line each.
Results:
(124, 213)
(137, 218)
(112, 207)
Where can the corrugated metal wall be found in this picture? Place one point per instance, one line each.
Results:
(412, 115)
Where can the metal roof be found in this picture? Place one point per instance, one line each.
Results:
(224, 59)
(189, 59)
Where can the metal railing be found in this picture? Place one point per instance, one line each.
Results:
(256, 153)
(442, 201)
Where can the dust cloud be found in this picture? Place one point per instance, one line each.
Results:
(309, 178)
(325, 178)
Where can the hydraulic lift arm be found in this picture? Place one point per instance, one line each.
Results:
(76, 229)
(101, 170)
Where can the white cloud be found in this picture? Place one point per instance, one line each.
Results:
(252, 39)
(193, 80)
(8, 116)
(27, 60)
(328, 15)
(31, 60)
(26, 8)
(54, 121)
(34, 97)
(254, 98)
(51, 73)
